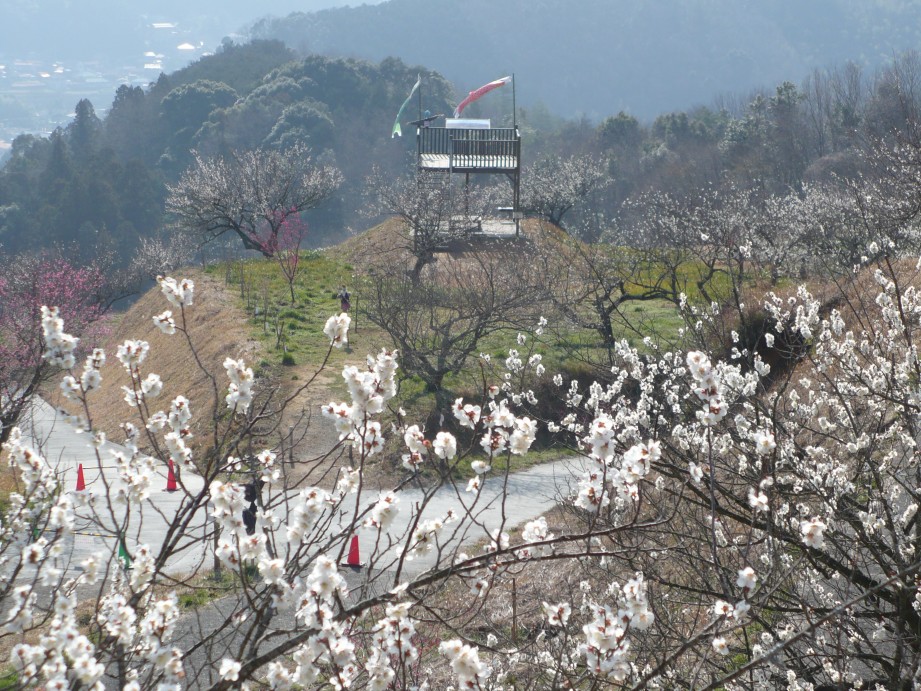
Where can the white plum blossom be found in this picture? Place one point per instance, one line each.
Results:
(179, 293)
(415, 440)
(384, 512)
(240, 390)
(465, 661)
(813, 532)
(371, 437)
(523, 436)
(425, 537)
(229, 669)
(132, 353)
(721, 608)
(764, 442)
(70, 388)
(758, 500)
(309, 507)
(480, 467)
(495, 441)
(637, 459)
(445, 445)
(535, 531)
(557, 615)
(59, 346)
(337, 329)
(151, 386)
(468, 415)
(592, 495)
(747, 578)
(165, 322)
(418, 448)
(708, 388)
(341, 415)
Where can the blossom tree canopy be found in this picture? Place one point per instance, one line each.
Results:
(250, 194)
(28, 283)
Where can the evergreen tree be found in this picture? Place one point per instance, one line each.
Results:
(84, 132)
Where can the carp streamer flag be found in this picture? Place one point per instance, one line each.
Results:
(479, 93)
(397, 131)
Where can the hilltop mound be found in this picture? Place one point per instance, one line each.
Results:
(390, 240)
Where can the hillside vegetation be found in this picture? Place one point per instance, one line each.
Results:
(99, 183)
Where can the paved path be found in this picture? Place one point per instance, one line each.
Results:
(65, 449)
(502, 503)
(529, 494)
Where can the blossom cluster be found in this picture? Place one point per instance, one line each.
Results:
(465, 662)
(90, 380)
(179, 293)
(606, 645)
(369, 389)
(59, 346)
(240, 391)
(394, 647)
(337, 329)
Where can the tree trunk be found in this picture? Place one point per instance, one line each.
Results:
(422, 260)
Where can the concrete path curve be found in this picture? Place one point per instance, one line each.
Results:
(503, 502)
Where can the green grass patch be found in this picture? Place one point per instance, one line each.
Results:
(205, 589)
(9, 679)
(289, 329)
(293, 332)
(462, 469)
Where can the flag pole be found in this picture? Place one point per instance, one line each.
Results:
(420, 97)
(514, 107)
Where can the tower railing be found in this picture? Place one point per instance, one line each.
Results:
(487, 148)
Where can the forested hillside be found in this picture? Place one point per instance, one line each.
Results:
(100, 182)
(600, 56)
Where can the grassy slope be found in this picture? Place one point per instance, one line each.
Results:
(215, 324)
(262, 292)
(238, 306)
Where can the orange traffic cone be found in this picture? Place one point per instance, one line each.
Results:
(171, 485)
(354, 560)
(81, 483)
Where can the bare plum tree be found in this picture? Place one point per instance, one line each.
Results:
(439, 320)
(250, 194)
(552, 187)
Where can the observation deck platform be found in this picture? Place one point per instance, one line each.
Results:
(469, 150)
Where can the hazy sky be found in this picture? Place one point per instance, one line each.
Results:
(94, 29)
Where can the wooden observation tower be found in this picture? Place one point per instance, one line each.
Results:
(464, 146)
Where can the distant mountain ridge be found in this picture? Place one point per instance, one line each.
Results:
(597, 57)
